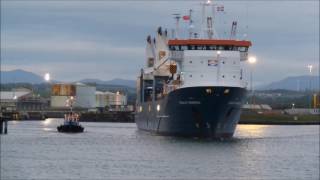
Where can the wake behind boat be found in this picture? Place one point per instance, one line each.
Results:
(194, 86)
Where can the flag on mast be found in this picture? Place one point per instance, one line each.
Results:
(186, 18)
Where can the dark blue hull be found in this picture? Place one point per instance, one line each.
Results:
(211, 112)
(70, 128)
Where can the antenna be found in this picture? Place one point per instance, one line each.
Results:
(209, 27)
(172, 33)
(177, 18)
(247, 22)
(203, 20)
(190, 24)
(207, 22)
(233, 30)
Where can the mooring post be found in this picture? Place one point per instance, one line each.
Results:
(1, 125)
(6, 126)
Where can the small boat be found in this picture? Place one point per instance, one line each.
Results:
(71, 124)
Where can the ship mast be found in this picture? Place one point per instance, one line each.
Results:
(207, 22)
(190, 24)
(177, 18)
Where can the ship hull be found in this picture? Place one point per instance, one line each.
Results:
(70, 128)
(209, 112)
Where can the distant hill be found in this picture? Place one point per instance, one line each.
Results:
(296, 83)
(119, 82)
(290, 83)
(20, 76)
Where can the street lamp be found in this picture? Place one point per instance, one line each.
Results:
(252, 60)
(310, 84)
(47, 77)
(310, 68)
(310, 73)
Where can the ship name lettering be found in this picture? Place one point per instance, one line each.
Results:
(189, 102)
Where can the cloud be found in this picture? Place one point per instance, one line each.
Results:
(68, 47)
(107, 39)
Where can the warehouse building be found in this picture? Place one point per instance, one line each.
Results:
(22, 99)
(110, 99)
(83, 95)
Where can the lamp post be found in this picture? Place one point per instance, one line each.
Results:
(252, 60)
(15, 104)
(310, 85)
(47, 79)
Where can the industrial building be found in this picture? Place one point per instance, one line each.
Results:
(22, 99)
(256, 107)
(83, 95)
(110, 99)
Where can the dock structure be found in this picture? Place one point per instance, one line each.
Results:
(3, 125)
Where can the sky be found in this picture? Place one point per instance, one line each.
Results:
(73, 40)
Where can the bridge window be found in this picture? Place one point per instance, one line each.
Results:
(148, 90)
(160, 82)
(184, 47)
(243, 49)
(208, 47)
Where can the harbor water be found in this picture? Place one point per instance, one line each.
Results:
(35, 150)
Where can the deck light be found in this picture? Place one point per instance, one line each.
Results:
(252, 60)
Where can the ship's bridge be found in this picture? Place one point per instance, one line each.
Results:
(208, 44)
(209, 62)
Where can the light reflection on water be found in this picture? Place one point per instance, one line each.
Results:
(253, 130)
(48, 121)
(119, 150)
(15, 121)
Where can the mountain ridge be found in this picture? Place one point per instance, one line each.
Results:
(295, 83)
(22, 76)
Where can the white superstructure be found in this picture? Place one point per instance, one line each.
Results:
(203, 60)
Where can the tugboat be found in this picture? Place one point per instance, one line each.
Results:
(71, 124)
(71, 121)
(193, 86)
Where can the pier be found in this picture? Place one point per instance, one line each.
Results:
(3, 124)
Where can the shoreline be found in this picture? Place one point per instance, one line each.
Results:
(246, 118)
(279, 123)
(279, 119)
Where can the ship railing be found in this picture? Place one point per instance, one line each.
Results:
(244, 84)
(175, 84)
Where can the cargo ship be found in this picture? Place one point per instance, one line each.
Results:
(193, 86)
